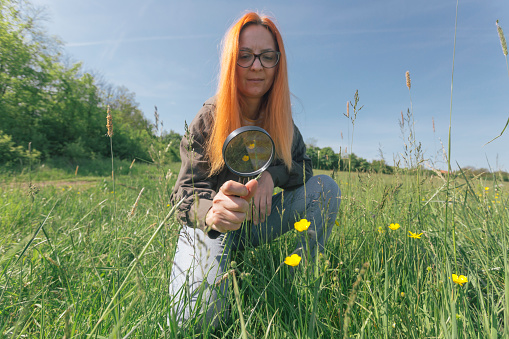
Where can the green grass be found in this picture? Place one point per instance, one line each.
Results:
(65, 253)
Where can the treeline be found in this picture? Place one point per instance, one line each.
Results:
(59, 108)
(326, 159)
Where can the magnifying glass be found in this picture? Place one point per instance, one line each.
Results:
(248, 151)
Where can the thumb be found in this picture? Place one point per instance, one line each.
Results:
(252, 186)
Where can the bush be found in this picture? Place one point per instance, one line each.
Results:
(10, 153)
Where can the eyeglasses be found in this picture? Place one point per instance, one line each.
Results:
(268, 59)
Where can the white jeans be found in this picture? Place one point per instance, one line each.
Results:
(196, 286)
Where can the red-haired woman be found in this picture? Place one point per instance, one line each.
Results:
(253, 90)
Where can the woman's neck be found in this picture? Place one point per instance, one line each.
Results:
(251, 108)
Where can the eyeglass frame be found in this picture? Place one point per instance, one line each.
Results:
(258, 56)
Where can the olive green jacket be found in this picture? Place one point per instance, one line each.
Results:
(198, 188)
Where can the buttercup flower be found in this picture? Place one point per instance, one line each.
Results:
(302, 225)
(245, 158)
(394, 226)
(415, 235)
(251, 146)
(486, 188)
(293, 260)
(459, 280)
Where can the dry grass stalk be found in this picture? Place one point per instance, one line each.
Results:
(502, 39)
(136, 203)
(353, 296)
(348, 109)
(433, 120)
(109, 122)
(132, 163)
(408, 83)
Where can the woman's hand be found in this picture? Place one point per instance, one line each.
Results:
(230, 206)
(262, 198)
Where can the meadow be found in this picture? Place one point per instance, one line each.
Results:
(86, 251)
(91, 256)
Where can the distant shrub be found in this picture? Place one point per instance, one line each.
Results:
(10, 153)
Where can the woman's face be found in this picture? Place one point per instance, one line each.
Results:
(254, 81)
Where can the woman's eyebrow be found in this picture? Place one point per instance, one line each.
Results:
(247, 49)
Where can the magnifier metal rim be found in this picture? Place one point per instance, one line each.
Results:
(242, 130)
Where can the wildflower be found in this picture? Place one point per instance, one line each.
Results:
(394, 226)
(460, 280)
(302, 225)
(486, 188)
(251, 146)
(393, 325)
(402, 294)
(168, 205)
(380, 230)
(415, 235)
(245, 158)
(429, 268)
(293, 260)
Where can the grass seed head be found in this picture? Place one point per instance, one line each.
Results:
(408, 83)
(109, 122)
(502, 39)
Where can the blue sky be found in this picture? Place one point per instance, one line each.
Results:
(167, 52)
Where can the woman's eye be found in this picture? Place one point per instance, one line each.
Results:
(244, 56)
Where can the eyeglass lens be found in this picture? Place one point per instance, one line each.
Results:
(267, 59)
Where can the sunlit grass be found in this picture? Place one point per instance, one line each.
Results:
(65, 279)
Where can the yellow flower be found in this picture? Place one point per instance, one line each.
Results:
(394, 226)
(251, 146)
(380, 230)
(293, 260)
(415, 235)
(245, 158)
(302, 225)
(486, 188)
(402, 294)
(459, 280)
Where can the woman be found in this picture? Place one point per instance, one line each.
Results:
(253, 90)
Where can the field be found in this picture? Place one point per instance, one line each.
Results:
(89, 255)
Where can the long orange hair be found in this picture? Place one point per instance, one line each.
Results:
(276, 102)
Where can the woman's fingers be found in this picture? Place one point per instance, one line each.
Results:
(263, 198)
(230, 206)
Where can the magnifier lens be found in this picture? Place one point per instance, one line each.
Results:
(248, 151)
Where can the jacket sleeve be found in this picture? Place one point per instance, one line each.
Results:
(301, 170)
(193, 183)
